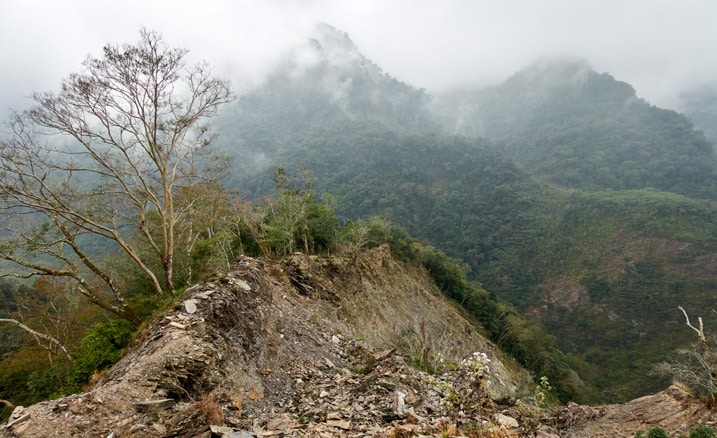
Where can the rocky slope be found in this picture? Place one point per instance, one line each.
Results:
(323, 348)
(283, 349)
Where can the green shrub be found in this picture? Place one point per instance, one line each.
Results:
(99, 349)
(45, 384)
(702, 431)
(657, 432)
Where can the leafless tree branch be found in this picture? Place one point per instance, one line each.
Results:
(102, 157)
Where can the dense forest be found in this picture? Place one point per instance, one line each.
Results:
(575, 127)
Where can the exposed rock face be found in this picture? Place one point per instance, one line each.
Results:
(304, 347)
(674, 409)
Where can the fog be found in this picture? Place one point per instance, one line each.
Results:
(661, 47)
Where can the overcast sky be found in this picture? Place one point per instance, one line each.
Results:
(661, 47)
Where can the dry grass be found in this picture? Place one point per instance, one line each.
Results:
(95, 378)
(206, 411)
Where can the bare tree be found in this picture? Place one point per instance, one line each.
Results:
(207, 215)
(696, 366)
(90, 165)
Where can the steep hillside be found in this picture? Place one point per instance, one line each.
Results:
(568, 124)
(304, 346)
(612, 291)
(580, 261)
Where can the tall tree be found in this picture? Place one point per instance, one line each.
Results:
(89, 165)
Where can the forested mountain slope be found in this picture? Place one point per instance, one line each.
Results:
(323, 88)
(573, 126)
(538, 207)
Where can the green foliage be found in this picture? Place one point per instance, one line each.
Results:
(7, 301)
(657, 432)
(322, 227)
(702, 431)
(101, 347)
(139, 291)
(21, 367)
(213, 253)
(598, 287)
(448, 273)
(291, 220)
(44, 384)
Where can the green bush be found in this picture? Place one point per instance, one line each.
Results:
(702, 431)
(657, 432)
(100, 348)
(448, 273)
(44, 384)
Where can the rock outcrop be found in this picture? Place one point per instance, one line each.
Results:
(674, 409)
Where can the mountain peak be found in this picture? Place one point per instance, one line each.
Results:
(327, 78)
(326, 48)
(330, 38)
(560, 73)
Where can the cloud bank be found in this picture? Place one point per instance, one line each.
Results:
(661, 47)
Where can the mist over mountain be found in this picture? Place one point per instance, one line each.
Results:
(568, 196)
(570, 125)
(323, 87)
(700, 105)
(327, 80)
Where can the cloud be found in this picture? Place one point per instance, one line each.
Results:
(659, 46)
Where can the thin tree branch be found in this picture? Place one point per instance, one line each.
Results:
(37, 334)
